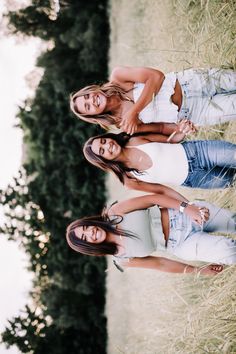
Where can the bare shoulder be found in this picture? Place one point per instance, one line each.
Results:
(118, 72)
(115, 209)
(130, 181)
(120, 75)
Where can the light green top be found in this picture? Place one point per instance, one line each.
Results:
(146, 225)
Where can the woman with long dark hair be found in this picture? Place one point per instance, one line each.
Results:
(133, 229)
(141, 161)
(135, 96)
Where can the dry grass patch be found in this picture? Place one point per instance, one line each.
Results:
(211, 24)
(151, 312)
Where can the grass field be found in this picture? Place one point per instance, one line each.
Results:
(151, 312)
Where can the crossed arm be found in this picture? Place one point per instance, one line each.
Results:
(152, 80)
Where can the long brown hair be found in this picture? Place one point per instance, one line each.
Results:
(108, 224)
(104, 119)
(115, 166)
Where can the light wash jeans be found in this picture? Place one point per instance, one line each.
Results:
(212, 163)
(192, 242)
(209, 95)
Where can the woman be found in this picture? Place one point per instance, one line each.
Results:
(137, 95)
(133, 229)
(149, 158)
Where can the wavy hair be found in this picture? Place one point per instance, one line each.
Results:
(96, 249)
(115, 166)
(104, 119)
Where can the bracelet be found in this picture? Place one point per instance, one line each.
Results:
(182, 206)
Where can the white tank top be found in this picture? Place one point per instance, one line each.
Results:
(161, 108)
(169, 163)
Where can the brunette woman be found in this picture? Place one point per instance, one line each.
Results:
(133, 229)
(142, 161)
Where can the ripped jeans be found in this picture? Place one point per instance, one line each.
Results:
(209, 95)
(212, 163)
(191, 242)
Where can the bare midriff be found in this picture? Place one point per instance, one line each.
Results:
(177, 96)
(165, 223)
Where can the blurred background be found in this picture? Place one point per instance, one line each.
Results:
(53, 184)
(57, 300)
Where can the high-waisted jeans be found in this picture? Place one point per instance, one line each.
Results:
(212, 163)
(209, 95)
(191, 242)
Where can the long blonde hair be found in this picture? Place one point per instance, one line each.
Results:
(104, 119)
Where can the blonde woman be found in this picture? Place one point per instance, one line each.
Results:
(140, 99)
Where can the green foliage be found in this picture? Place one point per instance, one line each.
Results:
(56, 184)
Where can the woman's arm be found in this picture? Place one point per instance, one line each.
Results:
(156, 188)
(146, 201)
(167, 265)
(182, 128)
(152, 79)
(160, 128)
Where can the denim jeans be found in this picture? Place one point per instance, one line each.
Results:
(212, 163)
(189, 241)
(209, 95)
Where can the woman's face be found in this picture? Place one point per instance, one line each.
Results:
(107, 148)
(92, 234)
(91, 104)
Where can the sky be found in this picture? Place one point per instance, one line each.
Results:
(17, 59)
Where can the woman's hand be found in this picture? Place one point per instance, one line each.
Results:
(212, 269)
(130, 122)
(183, 128)
(186, 127)
(198, 214)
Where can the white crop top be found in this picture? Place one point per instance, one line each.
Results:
(161, 108)
(169, 163)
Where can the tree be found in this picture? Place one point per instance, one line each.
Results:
(57, 185)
